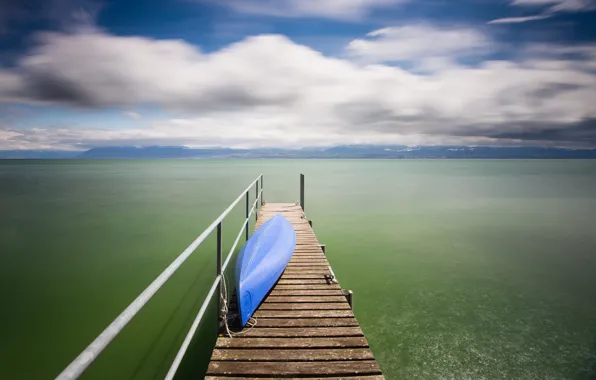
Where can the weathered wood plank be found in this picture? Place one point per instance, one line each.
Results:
(343, 368)
(301, 332)
(306, 287)
(301, 281)
(305, 306)
(301, 266)
(274, 343)
(307, 322)
(284, 355)
(311, 299)
(324, 270)
(314, 263)
(304, 314)
(313, 258)
(305, 292)
(309, 276)
(310, 257)
(377, 377)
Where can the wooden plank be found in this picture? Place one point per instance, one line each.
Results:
(304, 314)
(342, 368)
(310, 255)
(305, 292)
(301, 266)
(311, 299)
(306, 322)
(301, 332)
(306, 287)
(284, 355)
(301, 281)
(322, 271)
(316, 263)
(305, 306)
(275, 343)
(377, 377)
(307, 276)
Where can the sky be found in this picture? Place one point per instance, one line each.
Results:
(77, 74)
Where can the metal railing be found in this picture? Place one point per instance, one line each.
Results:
(92, 351)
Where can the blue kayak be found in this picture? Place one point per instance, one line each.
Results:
(261, 262)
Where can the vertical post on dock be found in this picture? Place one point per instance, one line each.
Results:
(262, 190)
(219, 271)
(257, 202)
(247, 214)
(349, 297)
(302, 191)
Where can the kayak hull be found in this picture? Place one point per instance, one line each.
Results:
(261, 262)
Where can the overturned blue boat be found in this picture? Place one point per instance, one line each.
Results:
(261, 262)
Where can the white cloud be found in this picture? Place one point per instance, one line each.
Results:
(133, 115)
(515, 20)
(559, 5)
(418, 42)
(335, 9)
(269, 91)
(550, 8)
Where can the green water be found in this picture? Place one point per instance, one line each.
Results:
(461, 269)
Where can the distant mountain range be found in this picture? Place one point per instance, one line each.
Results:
(345, 151)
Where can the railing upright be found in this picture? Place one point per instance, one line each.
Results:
(262, 190)
(247, 212)
(302, 191)
(257, 199)
(219, 271)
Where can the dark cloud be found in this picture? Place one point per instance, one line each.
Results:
(553, 89)
(582, 132)
(54, 89)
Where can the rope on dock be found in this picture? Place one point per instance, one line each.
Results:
(252, 322)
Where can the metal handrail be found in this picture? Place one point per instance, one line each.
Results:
(92, 351)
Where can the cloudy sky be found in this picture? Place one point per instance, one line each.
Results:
(76, 74)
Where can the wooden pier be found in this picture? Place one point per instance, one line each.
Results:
(305, 327)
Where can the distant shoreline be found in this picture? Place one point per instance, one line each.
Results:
(338, 152)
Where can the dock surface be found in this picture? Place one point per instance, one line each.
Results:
(305, 327)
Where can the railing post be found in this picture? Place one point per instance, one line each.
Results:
(247, 215)
(257, 202)
(219, 271)
(302, 191)
(349, 297)
(262, 190)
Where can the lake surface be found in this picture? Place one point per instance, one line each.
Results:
(461, 269)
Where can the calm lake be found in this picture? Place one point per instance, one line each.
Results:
(461, 269)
